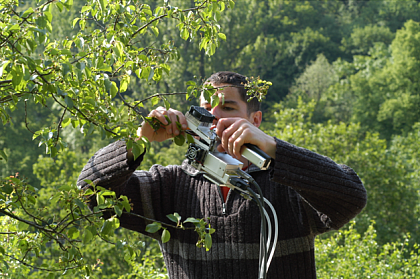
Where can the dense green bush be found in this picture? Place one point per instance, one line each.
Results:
(349, 254)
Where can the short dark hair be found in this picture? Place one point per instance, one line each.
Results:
(238, 81)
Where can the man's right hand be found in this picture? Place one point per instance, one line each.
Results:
(167, 130)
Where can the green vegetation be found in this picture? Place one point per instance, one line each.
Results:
(75, 75)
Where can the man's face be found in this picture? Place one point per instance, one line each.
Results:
(233, 105)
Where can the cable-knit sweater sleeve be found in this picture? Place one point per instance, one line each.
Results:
(335, 194)
(110, 168)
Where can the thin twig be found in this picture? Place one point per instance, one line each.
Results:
(59, 125)
(158, 95)
(152, 220)
(160, 17)
(5, 81)
(26, 119)
(40, 268)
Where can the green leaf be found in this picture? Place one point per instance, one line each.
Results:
(166, 236)
(3, 66)
(126, 203)
(53, 200)
(138, 73)
(3, 155)
(86, 8)
(151, 74)
(231, 4)
(66, 68)
(59, 6)
(13, 27)
(88, 181)
(208, 241)
(103, 4)
(118, 209)
(48, 15)
(203, 43)
(65, 187)
(114, 89)
(17, 78)
(27, 12)
(222, 36)
(31, 199)
(167, 104)
(53, 151)
(190, 138)
(217, 16)
(79, 203)
(192, 220)
(155, 30)
(6, 189)
(124, 83)
(69, 102)
(65, 122)
(144, 74)
(68, 4)
(23, 226)
(73, 233)
(137, 150)
(88, 192)
(87, 237)
(154, 227)
(100, 199)
(174, 218)
(107, 227)
(215, 101)
(184, 33)
(75, 21)
(179, 140)
(155, 100)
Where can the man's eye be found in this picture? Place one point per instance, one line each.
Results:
(228, 108)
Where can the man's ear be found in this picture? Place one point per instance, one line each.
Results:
(256, 118)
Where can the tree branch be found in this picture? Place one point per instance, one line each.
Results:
(40, 268)
(152, 220)
(158, 95)
(26, 119)
(160, 17)
(5, 81)
(59, 125)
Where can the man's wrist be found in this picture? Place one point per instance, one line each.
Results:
(271, 147)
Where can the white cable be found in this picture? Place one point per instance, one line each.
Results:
(276, 232)
(276, 229)
(267, 217)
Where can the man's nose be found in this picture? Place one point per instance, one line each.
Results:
(215, 112)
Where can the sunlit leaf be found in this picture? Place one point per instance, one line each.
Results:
(166, 236)
(154, 227)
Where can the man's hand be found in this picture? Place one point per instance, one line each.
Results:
(167, 130)
(235, 132)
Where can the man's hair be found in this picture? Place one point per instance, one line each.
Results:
(238, 81)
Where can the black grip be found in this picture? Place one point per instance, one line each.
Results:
(201, 114)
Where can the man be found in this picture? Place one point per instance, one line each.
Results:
(310, 193)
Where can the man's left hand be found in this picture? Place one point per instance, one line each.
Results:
(235, 132)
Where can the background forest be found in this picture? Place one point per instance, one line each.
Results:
(346, 84)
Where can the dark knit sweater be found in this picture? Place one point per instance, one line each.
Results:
(311, 195)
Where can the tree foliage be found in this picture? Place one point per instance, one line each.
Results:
(82, 80)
